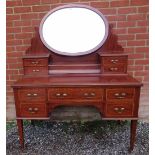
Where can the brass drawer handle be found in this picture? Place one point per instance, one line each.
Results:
(119, 110)
(32, 110)
(64, 94)
(114, 61)
(32, 94)
(120, 95)
(113, 69)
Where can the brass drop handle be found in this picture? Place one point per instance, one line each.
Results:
(114, 61)
(119, 110)
(113, 69)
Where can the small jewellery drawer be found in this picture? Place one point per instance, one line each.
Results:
(33, 110)
(119, 110)
(114, 60)
(35, 62)
(115, 68)
(35, 70)
(34, 94)
(75, 93)
(119, 94)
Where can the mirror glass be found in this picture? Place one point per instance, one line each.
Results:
(73, 30)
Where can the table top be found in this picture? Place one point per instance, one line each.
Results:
(77, 80)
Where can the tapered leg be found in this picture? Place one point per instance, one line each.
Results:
(132, 134)
(20, 131)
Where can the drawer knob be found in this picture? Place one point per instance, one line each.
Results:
(29, 94)
(30, 109)
(58, 94)
(116, 94)
(92, 94)
(86, 94)
(35, 109)
(113, 69)
(123, 94)
(35, 94)
(64, 94)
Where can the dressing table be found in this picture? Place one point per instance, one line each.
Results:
(75, 60)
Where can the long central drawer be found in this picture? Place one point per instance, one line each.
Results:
(75, 93)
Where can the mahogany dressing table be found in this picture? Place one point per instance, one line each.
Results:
(60, 68)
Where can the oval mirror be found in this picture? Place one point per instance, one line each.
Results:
(73, 30)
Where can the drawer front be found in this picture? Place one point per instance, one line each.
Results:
(114, 60)
(33, 110)
(118, 94)
(90, 93)
(115, 68)
(35, 62)
(115, 110)
(75, 93)
(35, 70)
(34, 94)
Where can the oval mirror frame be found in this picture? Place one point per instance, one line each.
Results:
(73, 52)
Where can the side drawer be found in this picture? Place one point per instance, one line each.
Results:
(33, 110)
(118, 110)
(32, 95)
(115, 68)
(109, 60)
(35, 70)
(118, 94)
(35, 62)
